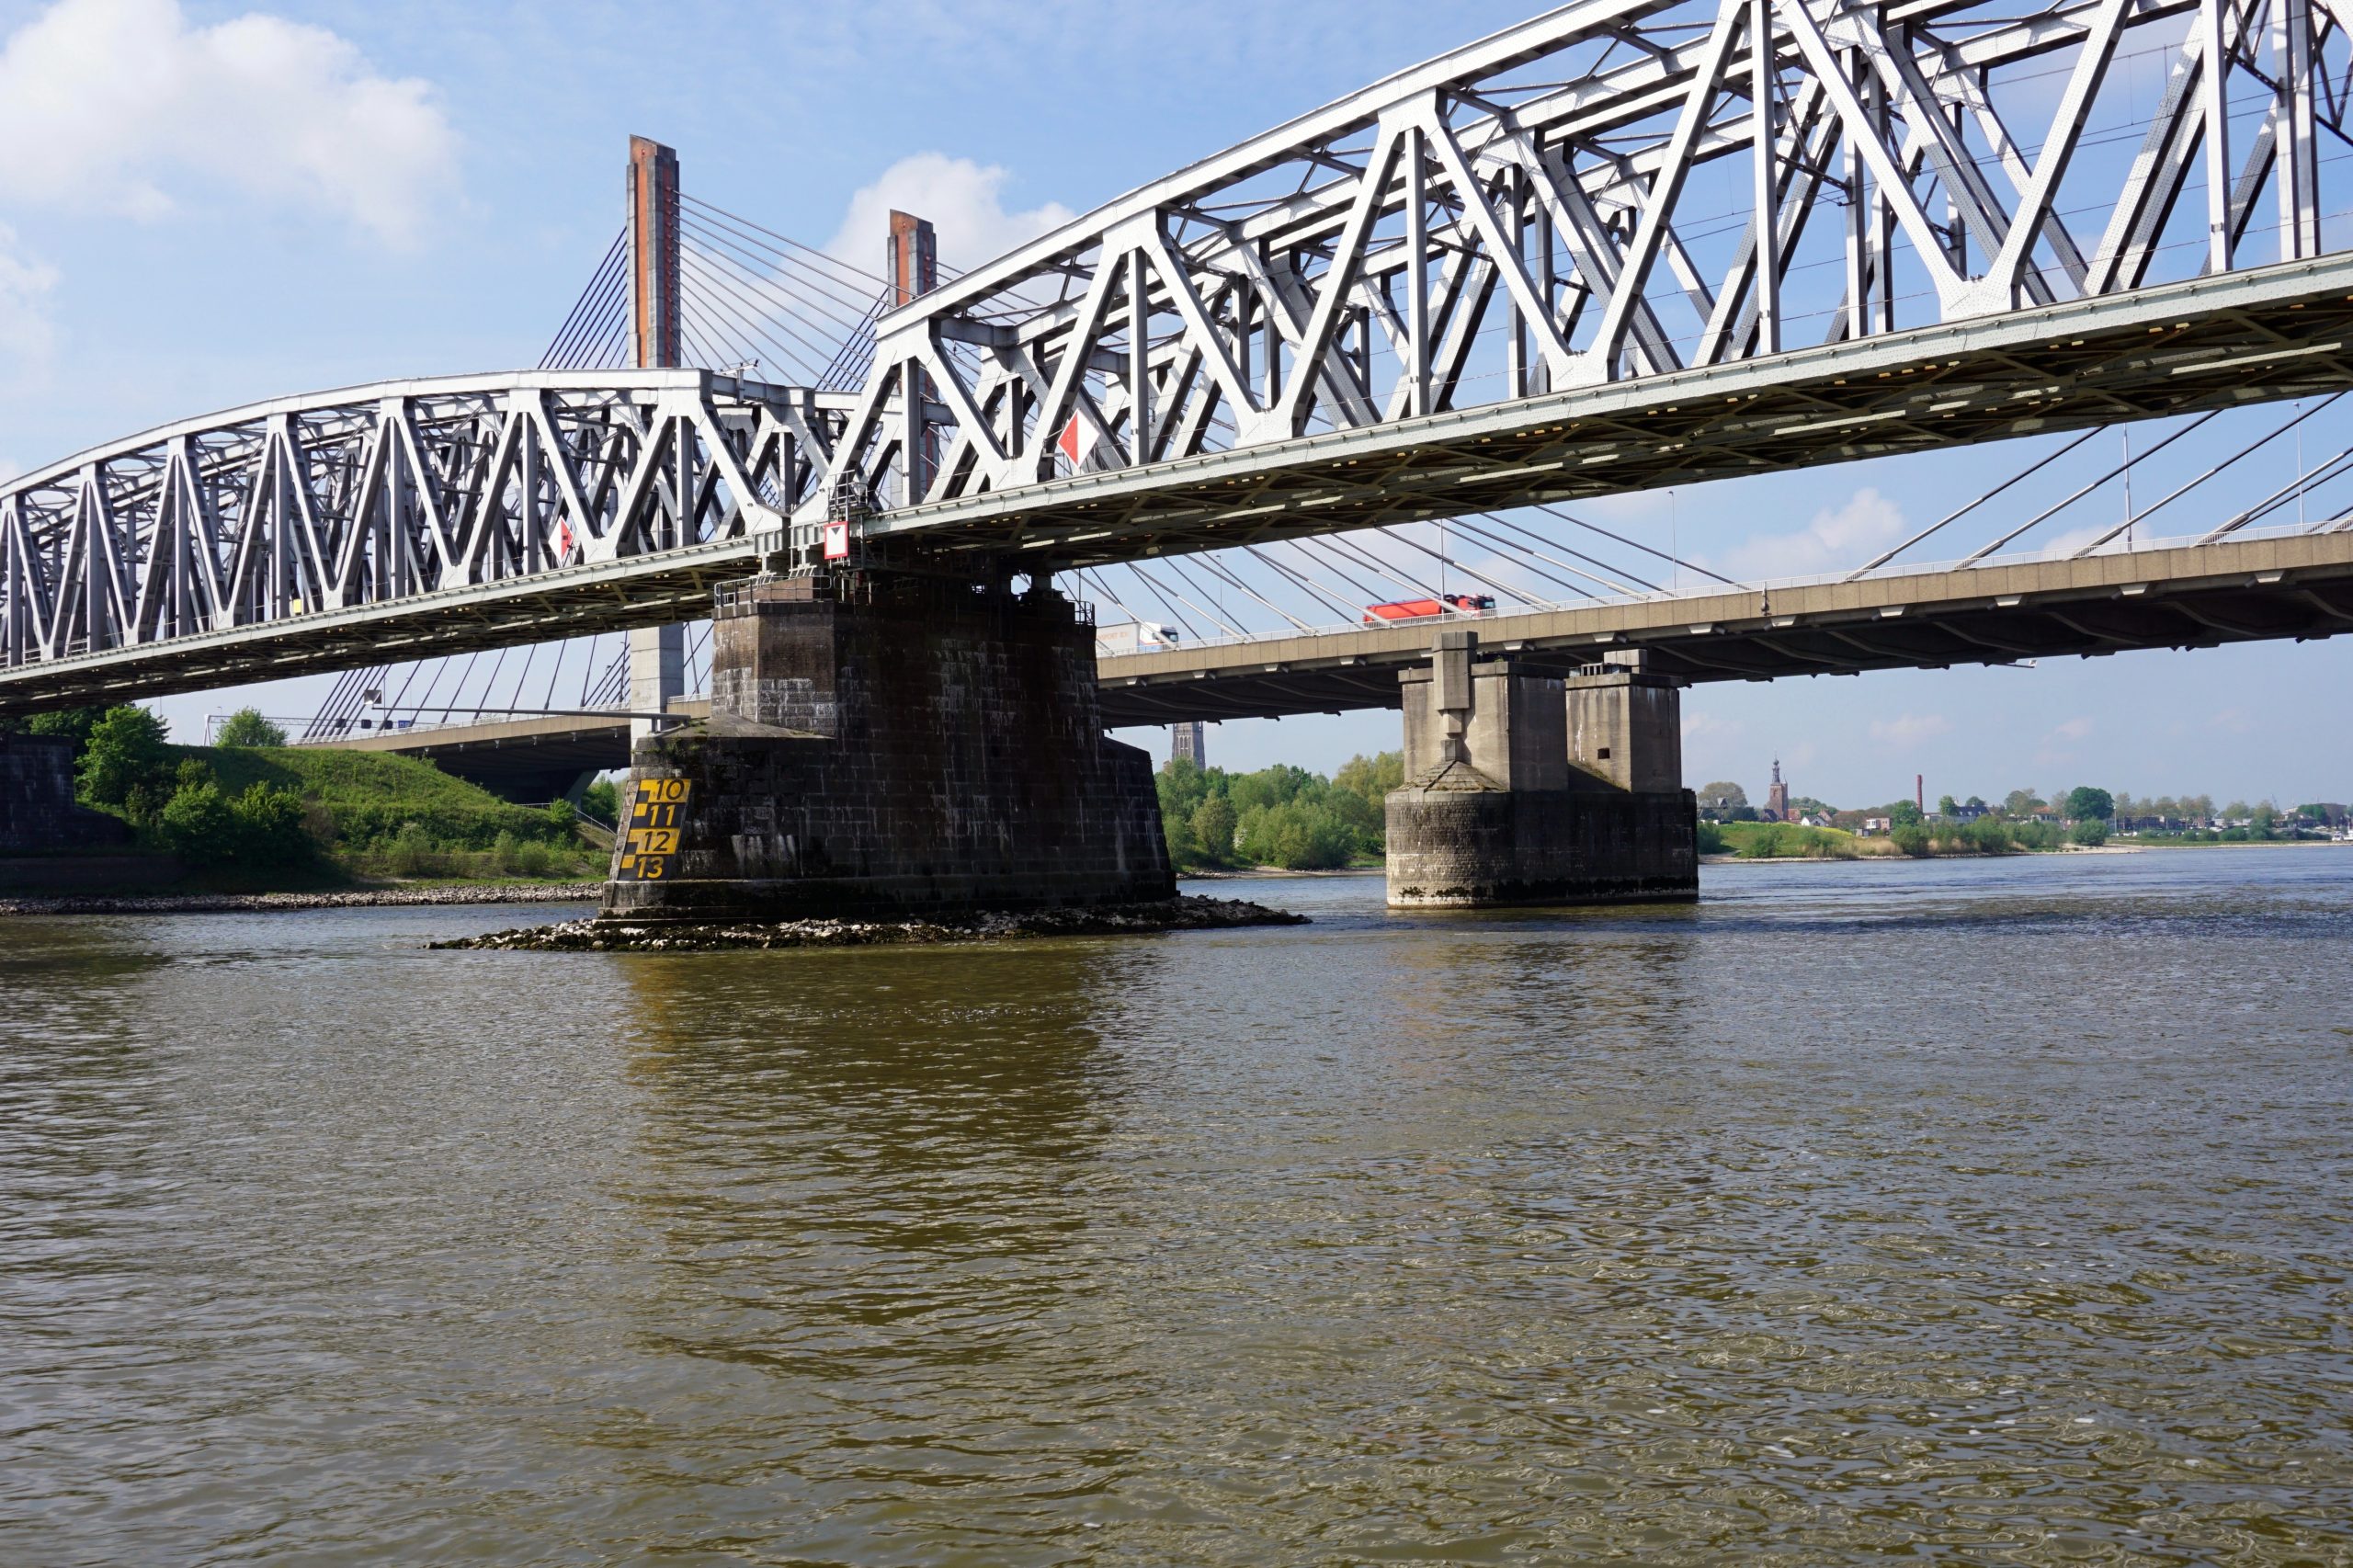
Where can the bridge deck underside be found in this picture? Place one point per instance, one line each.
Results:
(2281, 332)
(2297, 588)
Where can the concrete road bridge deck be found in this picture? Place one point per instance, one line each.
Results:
(2279, 584)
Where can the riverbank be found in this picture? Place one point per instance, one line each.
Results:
(266, 903)
(1186, 911)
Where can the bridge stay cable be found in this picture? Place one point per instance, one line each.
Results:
(590, 306)
(810, 294)
(1165, 602)
(2168, 439)
(2044, 462)
(1177, 569)
(2132, 517)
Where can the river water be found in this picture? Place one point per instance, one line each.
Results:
(1995, 1211)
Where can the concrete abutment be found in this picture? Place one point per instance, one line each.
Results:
(1525, 790)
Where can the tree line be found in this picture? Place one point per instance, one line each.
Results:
(1277, 816)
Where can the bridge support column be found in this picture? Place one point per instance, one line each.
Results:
(1522, 789)
(657, 674)
(889, 746)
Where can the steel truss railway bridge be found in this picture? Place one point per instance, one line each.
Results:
(1625, 245)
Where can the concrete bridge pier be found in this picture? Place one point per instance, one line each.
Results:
(1523, 789)
(889, 746)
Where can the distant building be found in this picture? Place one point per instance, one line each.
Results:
(1874, 826)
(1189, 743)
(1777, 797)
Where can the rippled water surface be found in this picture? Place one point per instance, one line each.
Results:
(1995, 1212)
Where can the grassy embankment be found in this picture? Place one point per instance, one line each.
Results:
(1786, 841)
(376, 816)
(366, 818)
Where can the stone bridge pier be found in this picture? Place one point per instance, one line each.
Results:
(1526, 790)
(889, 746)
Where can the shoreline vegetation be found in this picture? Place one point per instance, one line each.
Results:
(2083, 818)
(254, 815)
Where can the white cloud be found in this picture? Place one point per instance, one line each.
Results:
(26, 333)
(965, 201)
(1833, 541)
(1708, 726)
(1909, 729)
(2072, 730)
(111, 104)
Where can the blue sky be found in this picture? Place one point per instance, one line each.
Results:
(206, 205)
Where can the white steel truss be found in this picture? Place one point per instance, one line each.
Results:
(1618, 189)
(378, 493)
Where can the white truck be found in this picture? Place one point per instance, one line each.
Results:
(1133, 637)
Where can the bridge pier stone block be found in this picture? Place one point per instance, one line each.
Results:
(1521, 790)
(889, 746)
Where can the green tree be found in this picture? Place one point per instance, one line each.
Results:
(1988, 836)
(1213, 821)
(2262, 819)
(1711, 838)
(1372, 777)
(602, 801)
(1184, 849)
(126, 764)
(73, 723)
(270, 827)
(1300, 836)
(2091, 832)
(1947, 806)
(2085, 803)
(247, 727)
(1911, 837)
(1904, 813)
(196, 825)
(1723, 795)
(1273, 787)
(2020, 803)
